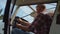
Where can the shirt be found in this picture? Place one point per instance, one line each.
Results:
(41, 24)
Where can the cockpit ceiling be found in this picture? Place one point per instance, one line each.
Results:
(30, 2)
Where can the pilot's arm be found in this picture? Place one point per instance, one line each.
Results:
(24, 22)
(25, 28)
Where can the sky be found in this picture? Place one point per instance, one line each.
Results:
(25, 10)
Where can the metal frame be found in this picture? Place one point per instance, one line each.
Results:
(54, 27)
(6, 17)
